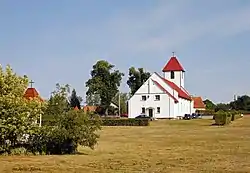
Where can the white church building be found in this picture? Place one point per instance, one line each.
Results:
(163, 96)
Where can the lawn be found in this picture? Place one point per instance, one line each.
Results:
(164, 146)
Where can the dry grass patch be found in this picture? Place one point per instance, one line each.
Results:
(164, 146)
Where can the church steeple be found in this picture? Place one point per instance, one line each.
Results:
(31, 92)
(174, 72)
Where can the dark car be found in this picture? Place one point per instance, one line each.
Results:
(187, 117)
(144, 116)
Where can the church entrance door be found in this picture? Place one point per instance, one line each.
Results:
(150, 112)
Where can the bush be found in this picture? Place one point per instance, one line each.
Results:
(125, 122)
(236, 115)
(74, 128)
(222, 118)
(18, 151)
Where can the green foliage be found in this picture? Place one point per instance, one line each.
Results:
(222, 118)
(226, 117)
(125, 122)
(93, 99)
(242, 103)
(209, 104)
(123, 102)
(19, 151)
(57, 105)
(19, 131)
(75, 101)
(18, 116)
(137, 79)
(222, 106)
(74, 128)
(104, 82)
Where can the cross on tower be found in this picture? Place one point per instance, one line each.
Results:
(173, 54)
(31, 82)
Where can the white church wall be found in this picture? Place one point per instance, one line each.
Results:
(149, 89)
(179, 77)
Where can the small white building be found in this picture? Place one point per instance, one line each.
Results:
(163, 96)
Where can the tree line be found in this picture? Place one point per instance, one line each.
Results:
(241, 103)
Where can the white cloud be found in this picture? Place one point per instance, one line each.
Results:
(170, 25)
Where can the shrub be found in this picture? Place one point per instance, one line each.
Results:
(18, 151)
(125, 122)
(236, 115)
(222, 118)
(74, 128)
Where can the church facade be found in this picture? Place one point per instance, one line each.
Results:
(163, 96)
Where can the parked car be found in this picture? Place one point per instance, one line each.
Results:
(187, 117)
(144, 116)
(195, 116)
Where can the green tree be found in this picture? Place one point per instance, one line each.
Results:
(123, 102)
(209, 104)
(242, 103)
(222, 106)
(75, 101)
(57, 104)
(104, 82)
(93, 100)
(18, 116)
(136, 79)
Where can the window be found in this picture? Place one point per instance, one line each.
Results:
(158, 110)
(172, 74)
(157, 97)
(143, 111)
(143, 98)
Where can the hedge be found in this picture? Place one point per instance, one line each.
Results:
(225, 117)
(206, 112)
(125, 122)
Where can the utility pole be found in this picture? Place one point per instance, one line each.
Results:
(119, 100)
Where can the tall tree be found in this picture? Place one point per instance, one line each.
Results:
(75, 101)
(136, 79)
(17, 114)
(93, 100)
(104, 82)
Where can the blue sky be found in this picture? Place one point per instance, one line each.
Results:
(60, 40)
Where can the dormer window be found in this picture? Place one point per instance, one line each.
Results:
(172, 74)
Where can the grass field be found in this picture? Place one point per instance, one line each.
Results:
(165, 146)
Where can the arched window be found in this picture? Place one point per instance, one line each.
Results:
(172, 74)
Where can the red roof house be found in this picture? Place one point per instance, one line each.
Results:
(198, 103)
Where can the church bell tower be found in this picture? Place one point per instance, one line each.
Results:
(174, 72)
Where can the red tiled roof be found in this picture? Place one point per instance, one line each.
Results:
(198, 103)
(181, 93)
(32, 93)
(89, 108)
(163, 89)
(173, 65)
